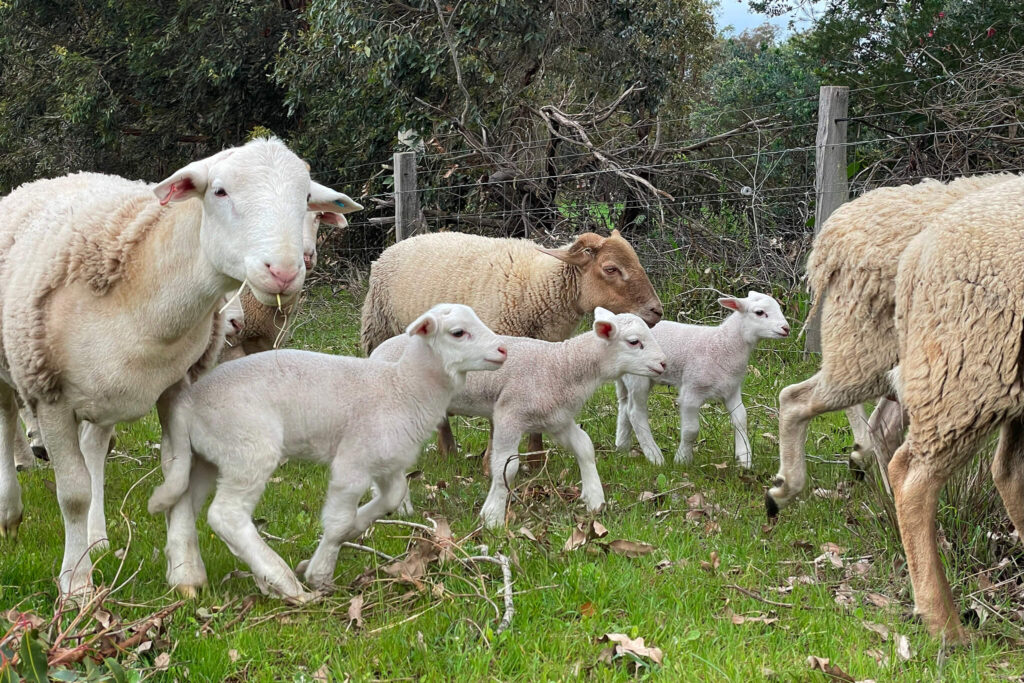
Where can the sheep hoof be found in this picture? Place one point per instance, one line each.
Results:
(771, 507)
(99, 545)
(40, 452)
(188, 592)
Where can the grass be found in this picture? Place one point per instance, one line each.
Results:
(443, 629)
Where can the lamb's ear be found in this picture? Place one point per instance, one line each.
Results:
(603, 314)
(425, 325)
(189, 181)
(752, 293)
(325, 199)
(732, 302)
(605, 329)
(332, 218)
(579, 253)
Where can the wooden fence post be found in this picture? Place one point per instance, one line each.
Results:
(408, 217)
(830, 184)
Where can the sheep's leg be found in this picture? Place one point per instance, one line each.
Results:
(12, 441)
(638, 417)
(489, 449)
(798, 404)
(623, 427)
(577, 440)
(94, 442)
(886, 426)
(738, 418)
(343, 519)
(186, 572)
(1008, 471)
(23, 458)
(446, 445)
(917, 477)
(504, 468)
(863, 446)
(230, 516)
(60, 433)
(689, 426)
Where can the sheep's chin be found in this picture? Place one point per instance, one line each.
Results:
(268, 299)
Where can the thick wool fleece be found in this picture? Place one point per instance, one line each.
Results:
(515, 289)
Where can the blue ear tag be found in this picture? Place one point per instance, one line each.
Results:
(339, 203)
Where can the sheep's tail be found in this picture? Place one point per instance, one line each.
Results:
(378, 317)
(176, 462)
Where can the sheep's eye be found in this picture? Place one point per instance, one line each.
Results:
(458, 333)
(220, 192)
(611, 270)
(760, 314)
(635, 342)
(308, 197)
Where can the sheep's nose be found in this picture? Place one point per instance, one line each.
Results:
(503, 352)
(785, 330)
(237, 324)
(283, 276)
(307, 259)
(663, 366)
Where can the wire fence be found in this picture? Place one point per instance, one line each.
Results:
(738, 199)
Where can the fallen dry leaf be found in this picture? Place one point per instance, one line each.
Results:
(624, 644)
(355, 611)
(844, 595)
(526, 533)
(903, 650)
(828, 494)
(823, 664)
(879, 656)
(878, 600)
(696, 501)
(630, 548)
(712, 527)
(162, 661)
(587, 609)
(414, 566)
(647, 496)
(583, 533)
(323, 674)
(739, 619)
(444, 539)
(714, 563)
(668, 564)
(803, 545)
(233, 655)
(720, 465)
(25, 619)
(880, 629)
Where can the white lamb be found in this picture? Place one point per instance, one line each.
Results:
(542, 388)
(706, 363)
(108, 294)
(365, 418)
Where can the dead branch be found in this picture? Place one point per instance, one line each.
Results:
(728, 134)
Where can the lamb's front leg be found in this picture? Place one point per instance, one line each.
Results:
(504, 468)
(60, 434)
(577, 440)
(738, 418)
(23, 459)
(95, 441)
(640, 390)
(11, 442)
(689, 425)
(623, 428)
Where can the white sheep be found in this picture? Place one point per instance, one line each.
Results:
(852, 274)
(370, 430)
(706, 363)
(269, 327)
(517, 287)
(959, 316)
(542, 388)
(139, 270)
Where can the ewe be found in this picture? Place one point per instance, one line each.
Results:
(140, 269)
(542, 388)
(364, 418)
(706, 363)
(959, 317)
(517, 287)
(852, 274)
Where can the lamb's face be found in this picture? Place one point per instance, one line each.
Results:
(310, 228)
(255, 200)
(232, 317)
(460, 338)
(764, 316)
(631, 344)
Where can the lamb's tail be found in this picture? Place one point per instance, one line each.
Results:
(378, 316)
(176, 462)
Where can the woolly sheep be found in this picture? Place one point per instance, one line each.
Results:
(269, 327)
(706, 363)
(370, 431)
(959, 313)
(542, 388)
(852, 272)
(140, 270)
(514, 285)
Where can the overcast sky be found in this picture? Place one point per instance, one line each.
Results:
(738, 14)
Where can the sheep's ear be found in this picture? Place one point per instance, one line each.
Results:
(189, 181)
(325, 199)
(332, 218)
(754, 293)
(731, 302)
(425, 325)
(579, 253)
(605, 329)
(603, 314)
